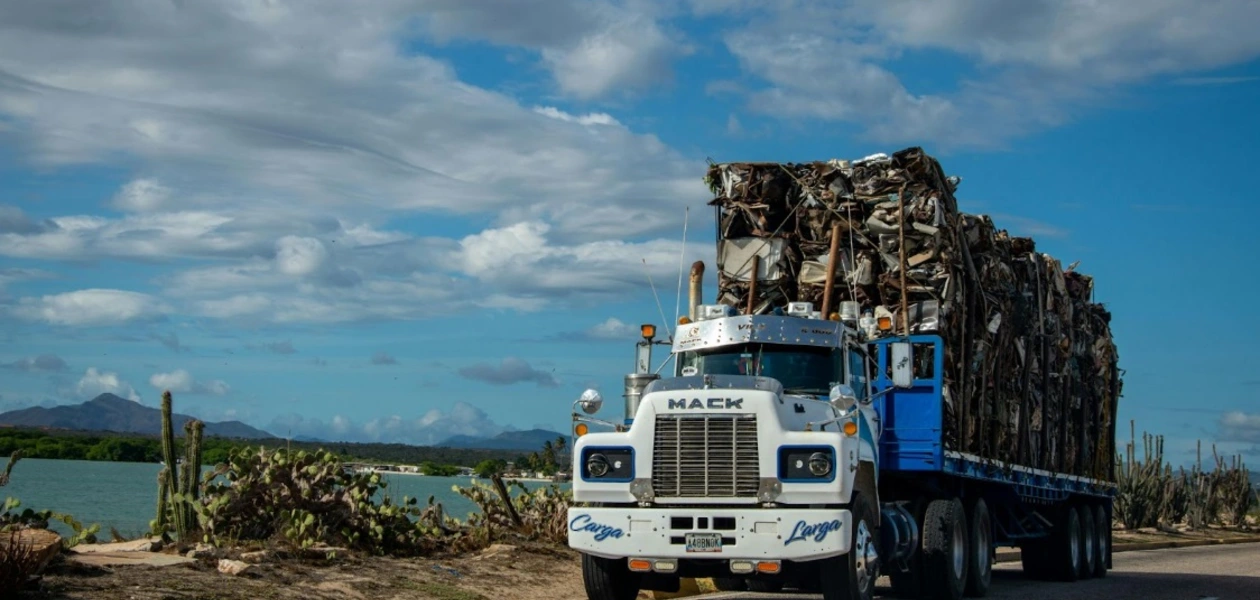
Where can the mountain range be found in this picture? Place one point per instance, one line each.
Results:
(528, 440)
(108, 412)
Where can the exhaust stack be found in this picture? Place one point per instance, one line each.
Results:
(694, 289)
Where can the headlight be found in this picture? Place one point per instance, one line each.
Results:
(597, 465)
(807, 464)
(608, 464)
(819, 464)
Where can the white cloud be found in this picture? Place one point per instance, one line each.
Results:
(430, 428)
(593, 48)
(1036, 64)
(91, 307)
(181, 381)
(299, 255)
(511, 370)
(43, 362)
(94, 383)
(1238, 426)
(587, 119)
(141, 195)
(613, 329)
(284, 188)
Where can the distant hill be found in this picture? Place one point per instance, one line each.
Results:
(525, 441)
(108, 412)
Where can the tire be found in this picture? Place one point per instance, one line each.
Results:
(1102, 540)
(1089, 541)
(851, 576)
(909, 584)
(1065, 545)
(730, 584)
(945, 544)
(980, 567)
(609, 579)
(765, 586)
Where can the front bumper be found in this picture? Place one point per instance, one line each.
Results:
(748, 533)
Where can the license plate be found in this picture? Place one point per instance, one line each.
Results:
(704, 542)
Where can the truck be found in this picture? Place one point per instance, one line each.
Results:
(818, 446)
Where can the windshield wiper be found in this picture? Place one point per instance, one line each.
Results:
(805, 390)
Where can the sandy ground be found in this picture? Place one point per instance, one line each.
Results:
(507, 573)
(531, 572)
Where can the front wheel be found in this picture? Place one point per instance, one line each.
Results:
(609, 579)
(852, 576)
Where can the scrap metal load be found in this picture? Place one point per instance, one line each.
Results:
(1031, 374)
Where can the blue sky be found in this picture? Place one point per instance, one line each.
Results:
(409, 220)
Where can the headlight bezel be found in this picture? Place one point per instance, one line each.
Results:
(614, 455)
(794, 464)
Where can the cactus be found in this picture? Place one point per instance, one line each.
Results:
(178, 495)
(160, 524)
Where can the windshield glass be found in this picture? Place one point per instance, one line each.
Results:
(800, 369)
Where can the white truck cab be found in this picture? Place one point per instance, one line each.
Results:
(755, 464)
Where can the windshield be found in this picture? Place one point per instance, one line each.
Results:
(800, 369)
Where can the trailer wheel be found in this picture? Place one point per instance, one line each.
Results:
(945, 555)
(608, 579)
(1102, 540)
(852, 576)
(730, 584)
(1066, 545)
(980, 571)
(1089, 542)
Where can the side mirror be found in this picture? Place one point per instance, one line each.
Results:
(843, 397)
(591, 401)
(902, 365)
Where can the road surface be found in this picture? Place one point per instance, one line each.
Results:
(1201, 573)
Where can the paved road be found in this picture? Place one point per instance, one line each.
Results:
(1201, 573)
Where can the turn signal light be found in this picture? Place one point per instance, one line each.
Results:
(640, 565)
(768, 567)
(850, 428)
(885, 323)
(648, 330)
(581, 429)
(683, 320)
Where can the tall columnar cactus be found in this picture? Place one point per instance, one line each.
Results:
(161, 524)
(177, 494)
(191, 491)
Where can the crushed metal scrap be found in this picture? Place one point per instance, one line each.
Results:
(1035, 381)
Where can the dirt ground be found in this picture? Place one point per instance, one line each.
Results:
(527, 572)
(506, 573)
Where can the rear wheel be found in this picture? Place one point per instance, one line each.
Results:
(980, 571)
(1102, 540)
(945, 555)
(1065, 545)
(609, 579)
(1089, 542)
(852, 576)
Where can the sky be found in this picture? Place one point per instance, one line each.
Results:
(406, 220)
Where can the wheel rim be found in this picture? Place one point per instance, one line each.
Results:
(960, 551)
(866, 556)
(1104, 536)
(1074, 540)
(983, 544)
(1089, 541)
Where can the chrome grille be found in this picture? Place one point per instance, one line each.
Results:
(705, 456)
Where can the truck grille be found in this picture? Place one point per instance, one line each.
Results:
(705, 456)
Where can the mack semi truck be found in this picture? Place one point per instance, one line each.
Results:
(798, 446)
